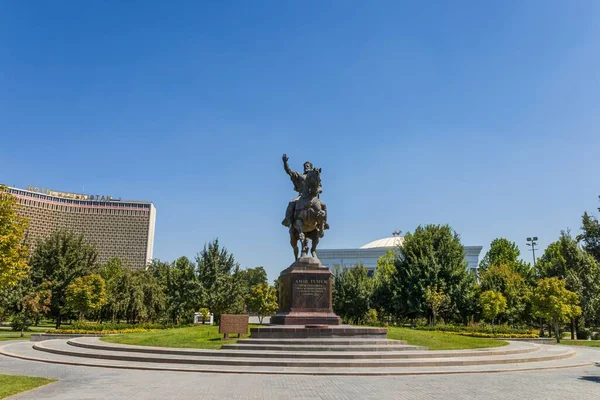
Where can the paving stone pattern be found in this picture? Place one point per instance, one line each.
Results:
(81, 383)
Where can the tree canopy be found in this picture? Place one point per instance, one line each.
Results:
(13, 251)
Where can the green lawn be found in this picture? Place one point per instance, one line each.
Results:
(195, 337)
(9, 335)
(440, 340)
(208, 337)
(588, 343)
(13, 384)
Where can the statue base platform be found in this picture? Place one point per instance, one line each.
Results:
(305, 295)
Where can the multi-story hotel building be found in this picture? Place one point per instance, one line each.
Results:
(117, 228)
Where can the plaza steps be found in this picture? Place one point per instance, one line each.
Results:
(517, 356)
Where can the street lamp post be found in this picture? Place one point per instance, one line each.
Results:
(532, 242)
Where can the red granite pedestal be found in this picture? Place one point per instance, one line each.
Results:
(305, 295)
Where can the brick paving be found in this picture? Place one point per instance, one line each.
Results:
(80, 383)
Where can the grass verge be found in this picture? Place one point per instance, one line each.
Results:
(194, 337)
(14, 336)
(587, 343)
(434, 340)
(13, 384)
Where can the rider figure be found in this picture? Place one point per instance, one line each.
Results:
(298, 180)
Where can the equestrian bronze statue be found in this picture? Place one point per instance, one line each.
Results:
(306, 214)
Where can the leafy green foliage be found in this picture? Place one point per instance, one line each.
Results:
(433, 255)
(436, 300)
(352, 291)
(492, 304)
(253, 276)
(29, 304)
(220, 279)
(590, 235)
(13, 252)
(564, 259)
(60, 259)
(552, 301)
(384, 286)
(505, 279)
(262, 300)
(85, 294)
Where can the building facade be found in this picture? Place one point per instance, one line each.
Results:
(117, 228)
(370, 253)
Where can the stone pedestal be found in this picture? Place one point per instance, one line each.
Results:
(305, 295)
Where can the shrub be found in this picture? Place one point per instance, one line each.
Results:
(584, 334)
(371, 317)
(86, 326)
(481, 328)
(596, 336)
(103, 332)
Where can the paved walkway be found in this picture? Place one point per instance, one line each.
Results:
(80, 383)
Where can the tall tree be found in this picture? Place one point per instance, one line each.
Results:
(253, 276)
(184, 291)
(383, 285)
(564, 259)
(116, 275)
(590, 235)
(554, 302)
(219, 276)
(13, 251)
(352, 291)
(504, 252)
(433, 255)
(504, 279)
(60, 259)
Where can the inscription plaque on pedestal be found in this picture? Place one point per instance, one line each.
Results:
(305, 295)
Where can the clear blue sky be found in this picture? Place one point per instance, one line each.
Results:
(483, 116)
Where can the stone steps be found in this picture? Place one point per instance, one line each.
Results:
(320, 348)
(386, 352)
(543, 357)
(322, 341)
(61, 347)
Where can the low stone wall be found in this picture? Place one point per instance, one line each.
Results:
(39, 337)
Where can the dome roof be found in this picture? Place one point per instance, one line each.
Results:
(391, 241)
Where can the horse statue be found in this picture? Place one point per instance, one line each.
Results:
(309, 216)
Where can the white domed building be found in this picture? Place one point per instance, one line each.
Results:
(370, 253)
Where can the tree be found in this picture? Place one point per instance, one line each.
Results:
(116, 276)
(86, 294)
(352, 291)
(590, 235)
(436, 301)
(262, 300)
(253, 276)
(552, 301)
(564, 259)
(383, 285)
(184, 292)
(220, 279)
(504, 252)
(492, 304)
(433, 255)
(60, 259)
(514, 287)
(13, 251)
